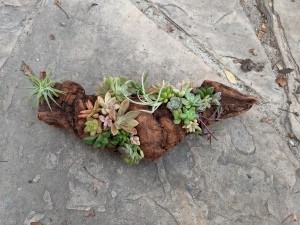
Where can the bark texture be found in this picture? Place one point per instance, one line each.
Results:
(157, 132)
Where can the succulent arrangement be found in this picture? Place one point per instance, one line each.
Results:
(109, 122)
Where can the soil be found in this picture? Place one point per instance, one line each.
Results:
(157, 132)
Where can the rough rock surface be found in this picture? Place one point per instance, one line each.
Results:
(251, 175)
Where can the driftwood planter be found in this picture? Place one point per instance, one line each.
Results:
(157, 132)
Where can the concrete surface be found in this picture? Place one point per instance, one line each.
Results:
(251, 175)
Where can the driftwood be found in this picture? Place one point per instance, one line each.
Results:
(157, 132)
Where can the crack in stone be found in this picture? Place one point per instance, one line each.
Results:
(222, 17)
(161, 172)
(277, 34)
(157, 204)
(167, 210)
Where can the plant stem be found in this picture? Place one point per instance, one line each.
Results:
(207, 129)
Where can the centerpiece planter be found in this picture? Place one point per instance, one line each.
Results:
(137, 121)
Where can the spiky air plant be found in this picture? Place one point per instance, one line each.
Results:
(43, 89)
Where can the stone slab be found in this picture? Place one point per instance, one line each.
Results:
(226, 32)
(288, 33)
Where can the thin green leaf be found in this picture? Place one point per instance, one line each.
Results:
(47, 100)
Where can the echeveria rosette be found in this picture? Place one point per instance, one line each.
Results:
(93, 127)
(185, 115)
(108, 103)
(174, 103)
(122, 120)
(191, 100)
(188, 115)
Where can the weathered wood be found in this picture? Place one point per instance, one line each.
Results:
(157, 132)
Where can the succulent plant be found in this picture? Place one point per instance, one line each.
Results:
(135, 140)
(107, 121)
(93, 127)
(191, 100)
(176, 115)
(43, 89)
(174, 103)
(120, 138)
(185, 88)
(215, 99)
(117, 86)
(91, 111)
(148, 97)
(203, 92)
(166, 94)
(132, 154)
(188, 115)
(193, 127)
(124, 120)
(98, 141)
(162, 91)
(208, 101)
(108, 103)
(204, 105)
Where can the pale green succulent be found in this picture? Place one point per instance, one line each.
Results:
(185, 88)
(177, 115)
(166, 92)
(117, 86)
(93, 127)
